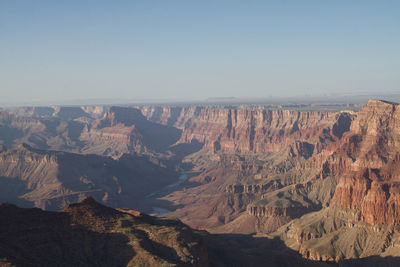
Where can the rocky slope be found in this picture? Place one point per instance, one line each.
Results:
(52, 180)
(90, 234)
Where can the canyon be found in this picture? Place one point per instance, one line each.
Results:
(323, 183)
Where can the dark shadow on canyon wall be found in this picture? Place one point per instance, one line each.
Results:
(11, 188)
(245, 250)
(240, 250)
(156, 136)
(183, 149)
(372, 261)
(123, 182)
(9, 134)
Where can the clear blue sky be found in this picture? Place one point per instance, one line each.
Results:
(55, 50)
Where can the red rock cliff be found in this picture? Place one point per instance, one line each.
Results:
(370, 154)
(248, 129)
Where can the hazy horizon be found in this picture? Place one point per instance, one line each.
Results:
(336, 99)
(56, 51)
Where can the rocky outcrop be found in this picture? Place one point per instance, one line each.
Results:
(303, 149)
(253, 188)
(95, 111)
(274, 211)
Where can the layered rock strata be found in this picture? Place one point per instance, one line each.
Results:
(371, 150)
(256, 130)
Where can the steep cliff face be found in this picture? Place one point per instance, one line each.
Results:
(371, 150)
(257, 130)
(276, 211)
(253, 188)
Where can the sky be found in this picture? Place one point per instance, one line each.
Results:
(193, 50)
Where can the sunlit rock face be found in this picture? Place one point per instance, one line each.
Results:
(256, 130)
(371, 150)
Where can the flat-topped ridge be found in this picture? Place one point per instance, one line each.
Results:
(380, 101)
